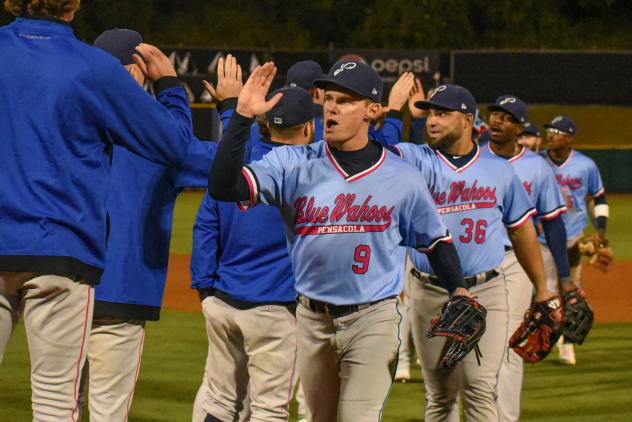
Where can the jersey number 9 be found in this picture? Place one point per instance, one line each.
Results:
(361, 257)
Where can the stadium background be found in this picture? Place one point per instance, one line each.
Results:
(563, 57)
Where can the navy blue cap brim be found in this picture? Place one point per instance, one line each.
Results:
(323, 83)
(426, 105)
(547, 125)
(494, 107)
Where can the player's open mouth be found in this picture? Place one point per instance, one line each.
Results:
(495, 130)
(330, 123)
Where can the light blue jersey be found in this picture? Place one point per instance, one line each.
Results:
(539, 182)
(344, 232)
(476, 201)
(577, 177)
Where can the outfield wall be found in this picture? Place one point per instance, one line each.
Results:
(615, 166)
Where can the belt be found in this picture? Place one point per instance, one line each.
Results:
(470, 281)
(335, 311)
(240, 304)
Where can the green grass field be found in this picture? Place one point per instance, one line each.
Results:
(599, 388)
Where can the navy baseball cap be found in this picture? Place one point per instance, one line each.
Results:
(294, 108)
(356, 77)
(303, 74)
(121, 43)
(450, 97)
(512, 105)
(531, 129)
(563, 123)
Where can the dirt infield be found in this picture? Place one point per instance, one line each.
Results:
(609, 294)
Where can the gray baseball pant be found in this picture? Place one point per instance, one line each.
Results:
(477, 383)
(252, 357)
(58, 317)
(346, 362)
(519, 295)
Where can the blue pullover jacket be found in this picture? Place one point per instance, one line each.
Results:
(64, 103)
(242, 254)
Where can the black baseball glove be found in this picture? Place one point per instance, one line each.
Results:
(578, 316)
(462, 321)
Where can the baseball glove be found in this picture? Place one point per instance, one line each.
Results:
(539, 331)
(578, 316)
(598, 251)
(462, 321)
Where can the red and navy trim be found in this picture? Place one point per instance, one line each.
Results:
(515, 225)
(463, 167)
(568, 159)
(253, 184)
(599, 193)
(552, 214)
(357, 176)
(427, 249)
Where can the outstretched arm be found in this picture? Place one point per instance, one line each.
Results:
(226, 183)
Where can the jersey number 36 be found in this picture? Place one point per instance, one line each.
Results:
(473, 230)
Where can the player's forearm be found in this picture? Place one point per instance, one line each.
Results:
(225, 182)
(446, 265)
(555, 234)
(527, 249)
(602, 212)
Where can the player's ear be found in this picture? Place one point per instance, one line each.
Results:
(372, 111)
(468, 121)
(308, 131)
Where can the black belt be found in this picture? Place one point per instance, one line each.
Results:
(242, 305)
(334, 310)
(470, 281)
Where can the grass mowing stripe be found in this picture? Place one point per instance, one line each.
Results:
(598, 388)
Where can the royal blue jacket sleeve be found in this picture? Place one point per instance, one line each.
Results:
(417, 130)
(393, 127)
(205, 256)
(134, 120)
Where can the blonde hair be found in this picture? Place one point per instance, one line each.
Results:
(52, 8)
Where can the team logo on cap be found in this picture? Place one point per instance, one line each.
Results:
(292, 85)
(374, 92)
(438, 89)
(507, 100)
(278, 121)
(345, 66)
(557, 119)
(463, 106)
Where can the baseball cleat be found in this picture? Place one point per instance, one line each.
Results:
(402, 375)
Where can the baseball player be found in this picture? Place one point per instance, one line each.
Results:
(241, 267)
(132, 286)
(65, 103)
(530, 137)
(506, 121)
(478, 195)
(579, 180)
(344, 225)
(303, 74)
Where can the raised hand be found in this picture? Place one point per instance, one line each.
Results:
(153, 63)
(229, 79)
(417, 94)
(252, 99)
(401, 91)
